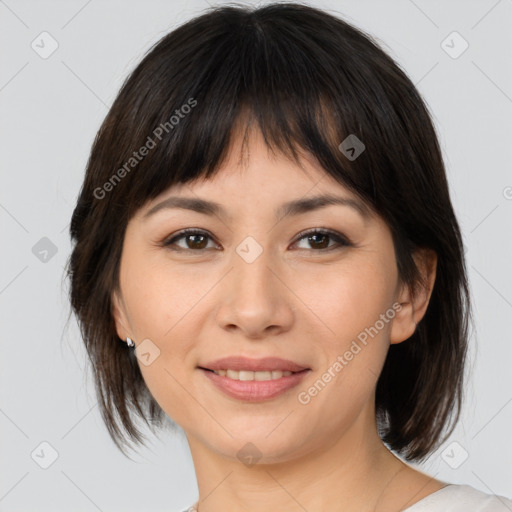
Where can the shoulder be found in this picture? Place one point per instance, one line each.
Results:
(461, 498)
(192, 508)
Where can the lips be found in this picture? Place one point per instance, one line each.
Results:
(253, 391)
(240, 363)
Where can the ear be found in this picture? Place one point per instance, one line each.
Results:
(119, 315)
(414, 303)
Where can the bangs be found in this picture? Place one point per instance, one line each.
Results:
(250, 74)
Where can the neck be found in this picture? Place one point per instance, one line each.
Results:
(354, 470)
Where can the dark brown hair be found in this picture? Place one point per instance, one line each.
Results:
(308, 80)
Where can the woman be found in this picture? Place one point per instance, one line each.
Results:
(265, 222)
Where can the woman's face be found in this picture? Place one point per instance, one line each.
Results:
(248, 283)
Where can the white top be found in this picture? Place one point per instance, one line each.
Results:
(452, 498)
(461, 498)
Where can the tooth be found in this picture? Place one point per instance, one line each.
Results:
(262, 375)
(232, 374)
(247, 375)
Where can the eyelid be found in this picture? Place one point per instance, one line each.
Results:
(339, 237)
(187, 231)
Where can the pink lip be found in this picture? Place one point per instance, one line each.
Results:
(255, 391)
(255, 365)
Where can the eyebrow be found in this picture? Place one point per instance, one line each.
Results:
(291, 208)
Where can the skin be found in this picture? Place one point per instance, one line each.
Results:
(295, 301)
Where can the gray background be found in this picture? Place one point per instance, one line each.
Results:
(50, 110)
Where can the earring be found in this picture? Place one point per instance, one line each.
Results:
(129, 342)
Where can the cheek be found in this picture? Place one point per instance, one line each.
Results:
(159, 296)
(349, 303)
(158, 301)
(348, 298)
(335, 304)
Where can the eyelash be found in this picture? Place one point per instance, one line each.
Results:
(338, 238)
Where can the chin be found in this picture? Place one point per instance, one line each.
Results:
(258, 445)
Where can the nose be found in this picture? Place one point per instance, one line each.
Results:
(255, 299)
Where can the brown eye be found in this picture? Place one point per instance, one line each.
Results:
(319, 240)
(196, 241)
(193, 240)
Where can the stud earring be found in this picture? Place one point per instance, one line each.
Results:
(129, 342)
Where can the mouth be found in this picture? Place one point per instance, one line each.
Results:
(253, 380)
(248, 365)
(248, 375)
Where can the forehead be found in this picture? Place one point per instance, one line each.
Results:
(255, 171)
(256, 179)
